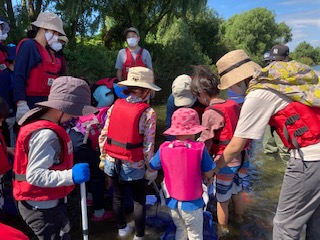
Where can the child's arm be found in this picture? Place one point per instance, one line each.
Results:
(207, 165)
(44, 151)
(103, 137)
(148, 124)
(152, 167)
(213, 121)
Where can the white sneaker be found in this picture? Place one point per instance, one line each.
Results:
(137, 238)
(125, 231)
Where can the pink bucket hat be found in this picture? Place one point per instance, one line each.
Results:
(185, 121)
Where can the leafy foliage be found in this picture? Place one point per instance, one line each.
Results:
(91, 60)
(179, 51)
(307, 54)
(255, 31)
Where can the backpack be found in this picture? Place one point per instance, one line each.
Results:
(91, 125)
(108, 82)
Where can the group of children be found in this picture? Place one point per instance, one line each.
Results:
(45, 173)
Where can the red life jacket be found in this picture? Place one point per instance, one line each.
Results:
(42, 76)
(123, 139)
(91, 125)
(297, 125)
(3, 63)
(230, 110)
(4, 161)
(181, 163)
(10, 233)
(131, 62)
(22, 190)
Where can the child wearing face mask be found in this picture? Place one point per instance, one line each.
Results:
(4, 29)
(127, 145)
(43, 164)
(220, 118)
(133, 55)
(36, 65)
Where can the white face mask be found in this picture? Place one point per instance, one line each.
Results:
(3, 36)
(132, 42)
(51, 38)
(56, 46)
(240, 90)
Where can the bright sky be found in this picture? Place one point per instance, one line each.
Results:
(302, 16)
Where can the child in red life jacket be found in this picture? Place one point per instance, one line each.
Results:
(43, 164)
(183, 160)
(220, 118)
(127, 145)
(84, 138)
(4, 150)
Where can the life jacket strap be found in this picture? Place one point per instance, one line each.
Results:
(124, 145)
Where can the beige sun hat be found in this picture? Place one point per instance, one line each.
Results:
(50, 21)
(234, 67)
(140, 77)
(64, 39)
(181, 91)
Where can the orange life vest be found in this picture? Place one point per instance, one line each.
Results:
(22, 190)
(42, 76)
(230, 110)
(297, 125)
(123, 139)
(131, 62)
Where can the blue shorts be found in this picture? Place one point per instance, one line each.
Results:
(226, 184)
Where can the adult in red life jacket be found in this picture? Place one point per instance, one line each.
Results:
(133, 55)
(127, 146)
(220, 118)
(184, 161)
(4, 29)
(44, 173)
(36, 65)
(283, 94)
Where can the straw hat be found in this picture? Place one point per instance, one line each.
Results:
(235, 67)
(185, 121)
(50, 21)
(140, 77)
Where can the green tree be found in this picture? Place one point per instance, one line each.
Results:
(306, 53)
(145, 15)
(255, 31)
(179, 51)
(205, 29)
(81, 17)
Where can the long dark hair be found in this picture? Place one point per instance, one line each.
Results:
(204, 81)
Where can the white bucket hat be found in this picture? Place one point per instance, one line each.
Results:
(140, 77)
(50, 21)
